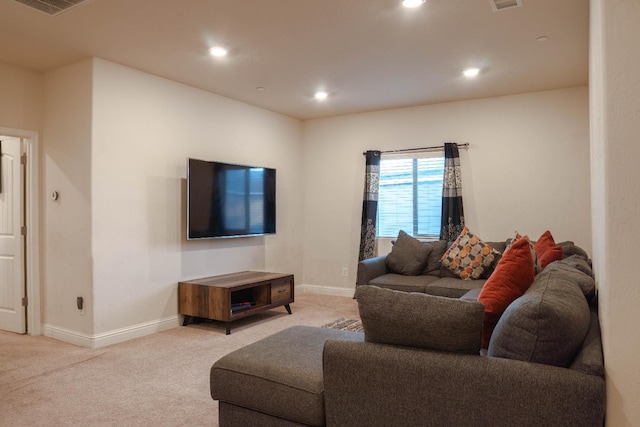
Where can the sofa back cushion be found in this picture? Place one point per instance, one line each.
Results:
(590, 359)
(545, 325)
(576, 269)
(420, 320)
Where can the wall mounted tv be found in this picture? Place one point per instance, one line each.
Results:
(228, 200)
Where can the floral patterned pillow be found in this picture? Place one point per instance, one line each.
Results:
(469, 257)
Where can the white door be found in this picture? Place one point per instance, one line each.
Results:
(12, 284)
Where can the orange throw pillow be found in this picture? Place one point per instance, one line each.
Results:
(553, 254)
(544, 243)
(512, 277)
(547, 250)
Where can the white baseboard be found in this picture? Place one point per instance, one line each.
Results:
(140, 330)
(325, 290)
(112, 337)
(67, 335)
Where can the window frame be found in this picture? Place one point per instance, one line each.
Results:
(415, 157)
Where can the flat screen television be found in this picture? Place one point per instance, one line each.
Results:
(229, 200)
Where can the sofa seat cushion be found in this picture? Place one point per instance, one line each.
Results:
(420, 320)
(404, 283)
(280, 375)
(545, 325)
(451, 287)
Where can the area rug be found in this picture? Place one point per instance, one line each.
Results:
(345, 325)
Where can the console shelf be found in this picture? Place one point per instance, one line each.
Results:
(230, 297)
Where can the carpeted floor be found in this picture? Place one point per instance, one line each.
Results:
(158, 380)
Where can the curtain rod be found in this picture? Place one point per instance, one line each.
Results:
(464, 146)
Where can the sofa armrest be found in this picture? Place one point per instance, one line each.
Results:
(371, 268)
(374, 384)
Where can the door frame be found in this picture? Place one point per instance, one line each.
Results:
(32, 221)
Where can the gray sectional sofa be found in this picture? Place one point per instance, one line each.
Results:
(419, 363)
(435, 279)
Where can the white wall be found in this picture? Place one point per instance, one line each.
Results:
(66, 223)
(20, 98)
(144, 128)
(615, 126)
(116, 144)
(527, 169)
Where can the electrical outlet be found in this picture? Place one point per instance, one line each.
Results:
(345, 272)
(80, 305)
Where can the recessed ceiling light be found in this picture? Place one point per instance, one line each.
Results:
(321, 95)
(218, 51)
(542, 39)
(412, 3)
(471, 72)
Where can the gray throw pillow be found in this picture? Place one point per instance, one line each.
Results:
(545, 325)
(420, 320)
(578, 262)
(408, 255)
(438, 248)
(569, 248)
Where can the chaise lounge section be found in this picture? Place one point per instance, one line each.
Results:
(276, 381)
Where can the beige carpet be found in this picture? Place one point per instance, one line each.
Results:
(158, 380)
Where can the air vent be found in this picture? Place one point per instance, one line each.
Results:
(52, 7)
(498, 5)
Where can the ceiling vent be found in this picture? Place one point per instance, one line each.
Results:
(498, 5)
(53, 7)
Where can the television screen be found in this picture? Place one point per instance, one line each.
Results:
(228, 200)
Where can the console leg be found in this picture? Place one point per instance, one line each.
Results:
(228, 328)
(288, 308)
(185, 322)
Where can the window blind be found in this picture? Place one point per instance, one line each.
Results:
(410, 194)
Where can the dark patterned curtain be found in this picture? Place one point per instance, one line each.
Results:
(370, 206)
(452, 221)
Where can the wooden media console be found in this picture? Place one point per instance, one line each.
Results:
(230, 297)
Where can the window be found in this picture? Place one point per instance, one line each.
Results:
(410, 195)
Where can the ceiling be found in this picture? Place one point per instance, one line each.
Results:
(367, 54)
